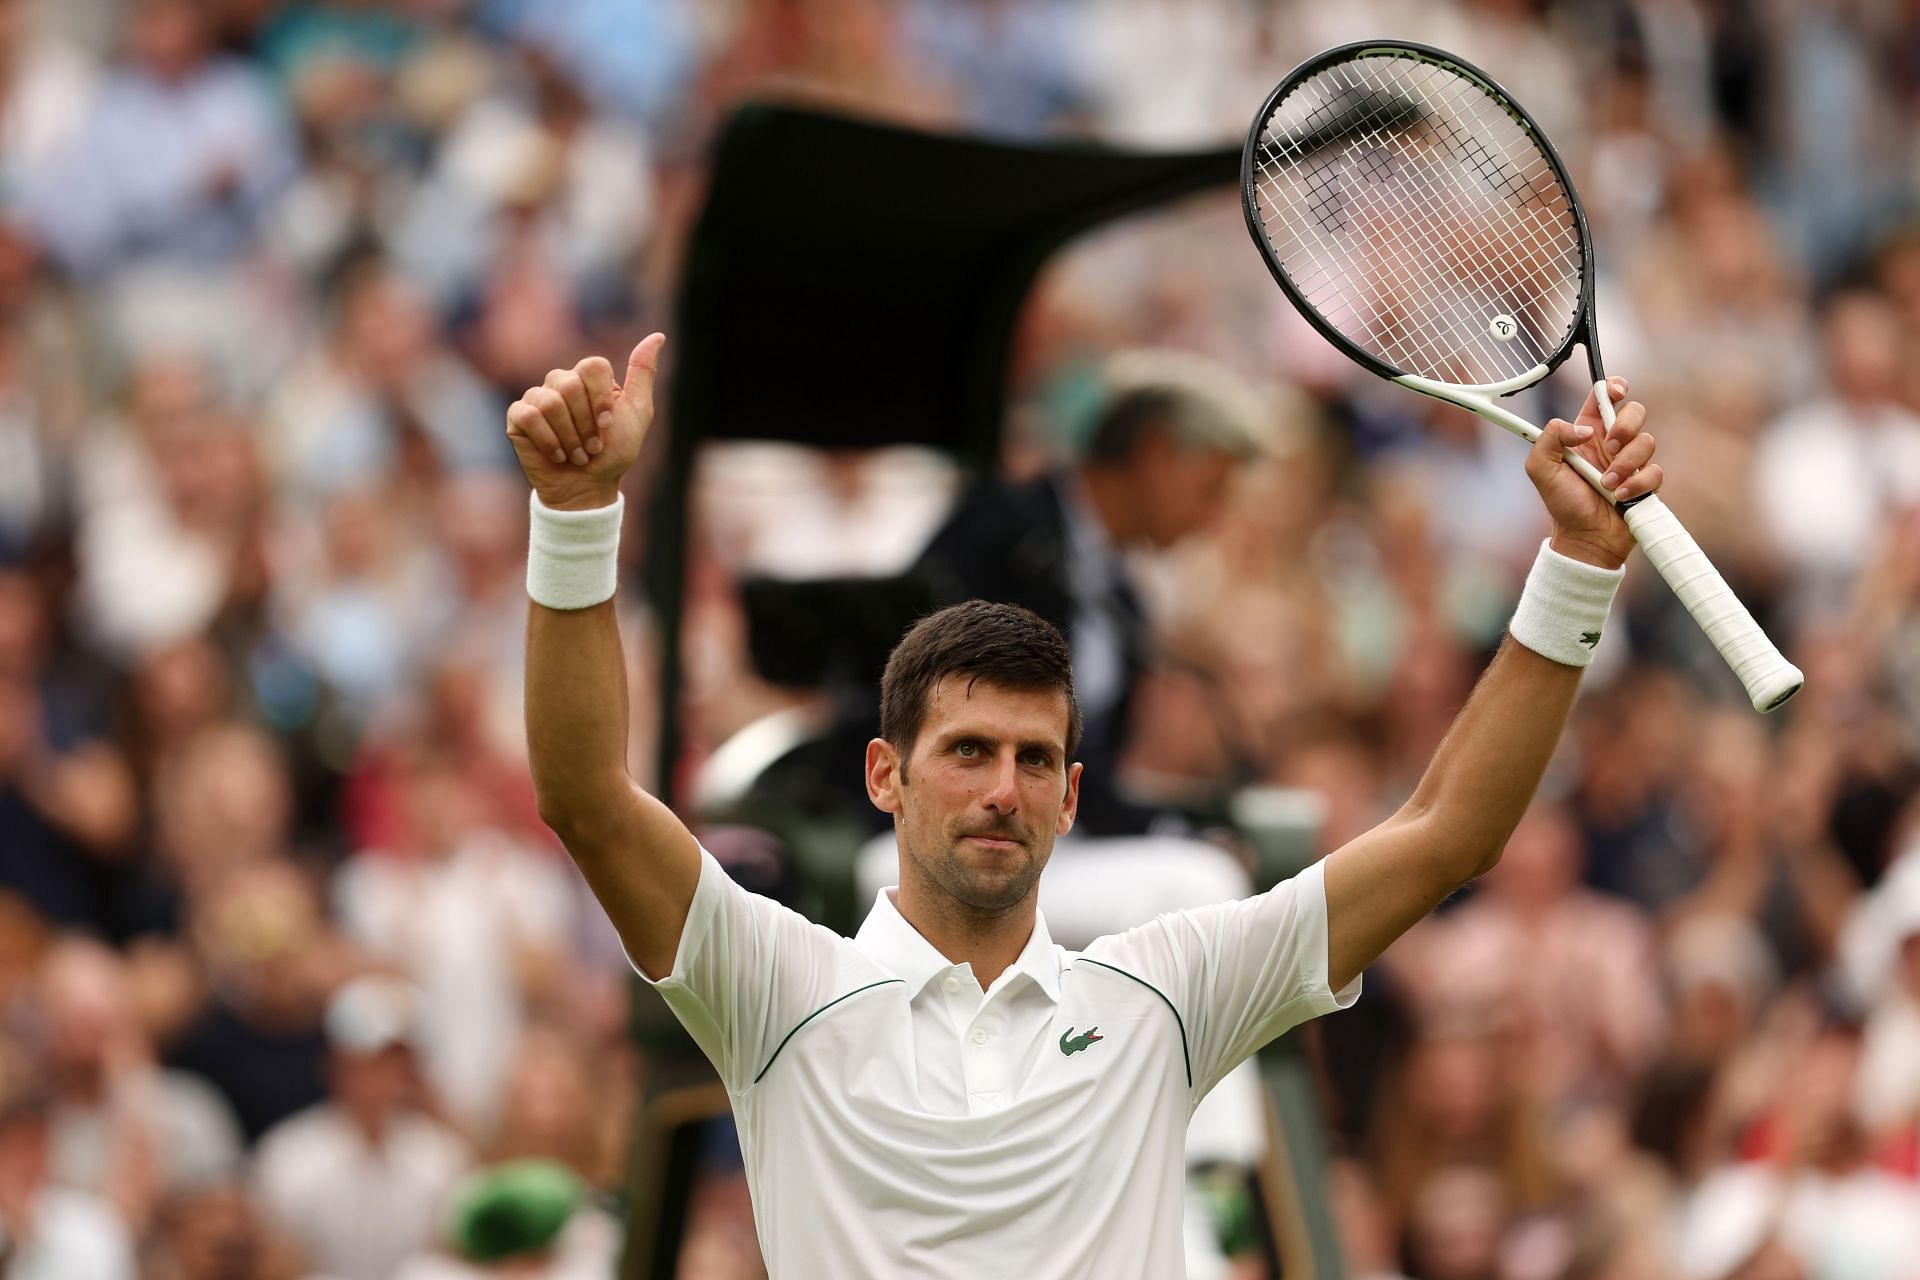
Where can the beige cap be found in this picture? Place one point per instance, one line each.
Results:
(1208, 404)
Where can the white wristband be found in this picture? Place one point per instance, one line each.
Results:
(1563, 607)
(573, 556)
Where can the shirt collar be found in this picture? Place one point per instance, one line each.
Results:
(896, 946)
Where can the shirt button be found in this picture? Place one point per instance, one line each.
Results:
(951, 984)
(979, 1035)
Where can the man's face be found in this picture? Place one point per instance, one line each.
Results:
(987, 788)
(1180, 491)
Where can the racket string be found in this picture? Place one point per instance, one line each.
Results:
(1410, 225)
(1435, 218)
(1440, 219)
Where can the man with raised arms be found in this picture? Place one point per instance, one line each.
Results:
(949, 1093)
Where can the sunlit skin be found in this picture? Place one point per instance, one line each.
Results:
(983, 794)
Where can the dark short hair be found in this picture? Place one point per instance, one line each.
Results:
(1189, 416)
(999, 643)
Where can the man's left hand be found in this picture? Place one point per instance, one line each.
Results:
(1585, 525)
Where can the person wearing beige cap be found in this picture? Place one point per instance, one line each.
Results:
(1154, 471)
(362, 1180)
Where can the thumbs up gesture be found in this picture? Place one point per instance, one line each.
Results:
(577, 433)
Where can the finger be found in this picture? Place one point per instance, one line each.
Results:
(579, 411)
(1637, 453)
(526, 421)
(553, 407)
(1642, 482)
(642, 364)
(596, 374)
(1626, 425)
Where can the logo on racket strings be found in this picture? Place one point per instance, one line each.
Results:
(1503, 328)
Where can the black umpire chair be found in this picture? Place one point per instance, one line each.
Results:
(851, 284)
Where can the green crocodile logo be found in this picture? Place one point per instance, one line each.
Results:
(1077, 1043)
(1589, 638)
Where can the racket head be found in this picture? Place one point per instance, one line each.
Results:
(1407, 206)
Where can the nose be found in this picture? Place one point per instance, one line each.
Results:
(1003, 791)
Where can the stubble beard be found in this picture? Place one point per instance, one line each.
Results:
(975, 889)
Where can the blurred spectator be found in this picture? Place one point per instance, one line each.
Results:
(479, 922)
(223, 801)
(552, 1107)
(49, 88)
(1454, 1224)
(1862, 464)
(382, 400)
(217, 1232)
(68, 807)
(362, 1179)
(1365, 1235)
(1458, 1103)
(180, 152)
(1889, 1087)
(557, 201)
(122, 1126)
(1573, 970)
(1820, 1200)
(1010, 65)
(269, 961)
(51, 1232)
(528, 1219)
(632, 57)
(166, 499)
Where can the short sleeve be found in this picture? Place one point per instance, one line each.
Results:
(746, 972)
(1238, 973)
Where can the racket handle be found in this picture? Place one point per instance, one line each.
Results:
(1770, 679)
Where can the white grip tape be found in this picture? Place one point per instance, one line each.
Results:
(573, 557)
(1769, 678)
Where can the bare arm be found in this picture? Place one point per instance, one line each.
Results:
(1485, 771)
(575, 436)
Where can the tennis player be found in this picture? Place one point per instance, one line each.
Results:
(948, 1093)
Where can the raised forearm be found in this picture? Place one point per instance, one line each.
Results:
(576, 701)
(1486, 770)
(575, 436)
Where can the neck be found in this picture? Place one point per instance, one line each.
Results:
(990, 941)
(1113, 502)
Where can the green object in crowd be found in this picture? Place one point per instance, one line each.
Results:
(513, 1208)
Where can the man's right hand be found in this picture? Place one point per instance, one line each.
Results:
(577, 433)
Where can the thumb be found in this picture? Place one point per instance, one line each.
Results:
(1559, 438)
(637, 389)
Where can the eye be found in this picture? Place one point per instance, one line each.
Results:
(1039, 759)
(966, 748)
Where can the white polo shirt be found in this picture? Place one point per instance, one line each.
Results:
(896, 1121)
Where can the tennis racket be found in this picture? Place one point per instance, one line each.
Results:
(1420, 219)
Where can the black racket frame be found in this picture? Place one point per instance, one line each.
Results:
(1584, 331)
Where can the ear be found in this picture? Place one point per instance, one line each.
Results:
(883, 776)
(1070, 807)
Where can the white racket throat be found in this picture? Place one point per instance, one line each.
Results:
(1480, 400)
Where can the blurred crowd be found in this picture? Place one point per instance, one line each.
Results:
(293, 983)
